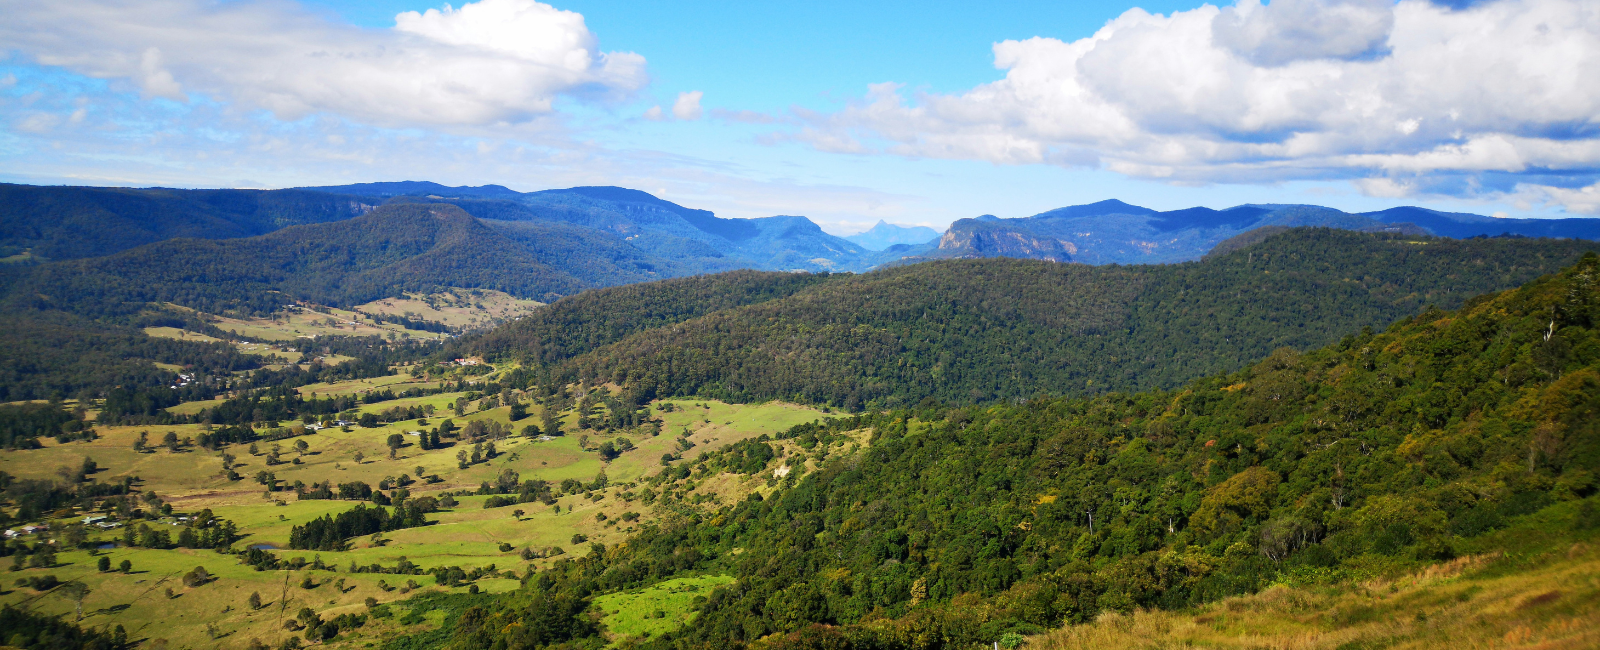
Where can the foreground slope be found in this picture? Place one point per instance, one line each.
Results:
(1452, 434)
(975, 330)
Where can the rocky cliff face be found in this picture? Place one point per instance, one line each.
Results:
(970, 238)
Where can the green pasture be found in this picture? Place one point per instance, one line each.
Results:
(657, 609)
(138, 600)
(466, 535)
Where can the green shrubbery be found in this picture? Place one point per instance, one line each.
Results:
(960, 526)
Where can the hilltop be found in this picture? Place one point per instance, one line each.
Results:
(985, 329)
(58, 223)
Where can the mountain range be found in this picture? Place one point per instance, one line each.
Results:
(883, 235)
(1106, 232)
(1114, 232)
(603, 227)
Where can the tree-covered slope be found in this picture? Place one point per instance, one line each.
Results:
(977, 330)
(74, 222)
(1450, 433)
(585, 322)
(46, 355)
(601, 259)
(405, 247)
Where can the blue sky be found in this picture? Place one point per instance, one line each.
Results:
(844, 112)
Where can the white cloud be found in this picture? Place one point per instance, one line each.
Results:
(688, 106)
(653, 114)
(1296, 30)
(1297, 89)
(38, 123)
(1583, 200)
(488, 62)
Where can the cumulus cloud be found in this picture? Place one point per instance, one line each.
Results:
(1398, 94)
(688, 106)
(488, 62)
(1294, 30)
(1582, 200)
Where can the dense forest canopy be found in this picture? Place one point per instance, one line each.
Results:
(957, 525)
(976, 330)
(57, 223)
(398, 248)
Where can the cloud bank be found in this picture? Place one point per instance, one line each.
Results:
(1408, 97)
(488, 62)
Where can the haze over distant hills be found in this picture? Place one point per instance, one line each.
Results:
(883, 235)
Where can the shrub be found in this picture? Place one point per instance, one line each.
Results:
(197, 577)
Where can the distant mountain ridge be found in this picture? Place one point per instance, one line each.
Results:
(399, 247)
(1105, 232)
(56, 223)
(652, 224)
(1114, 232)
(643, 231)
(883, 235)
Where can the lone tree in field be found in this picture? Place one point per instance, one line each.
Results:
(550, 424)
(170, 440)
(517, 514)
(255, 600)
(77, 591)
(358, 457)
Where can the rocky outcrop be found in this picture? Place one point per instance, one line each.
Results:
(972, 238)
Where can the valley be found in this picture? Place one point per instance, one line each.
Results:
(478, 418)
(599, 500)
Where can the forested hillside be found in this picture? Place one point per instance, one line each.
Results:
(587, 321)
(56, 223)
(46, 355)
(1451, 433)
(976, 330)
(73, 328)
(403, 247)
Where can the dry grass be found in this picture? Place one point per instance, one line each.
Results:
(1552, 607)
(469, 308)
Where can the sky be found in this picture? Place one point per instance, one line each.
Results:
(916, 113)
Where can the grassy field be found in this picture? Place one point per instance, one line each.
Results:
(181, 334)
(653, 610)
(467, 535)
(464, 308)
(1468, 603)
(307, 323)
